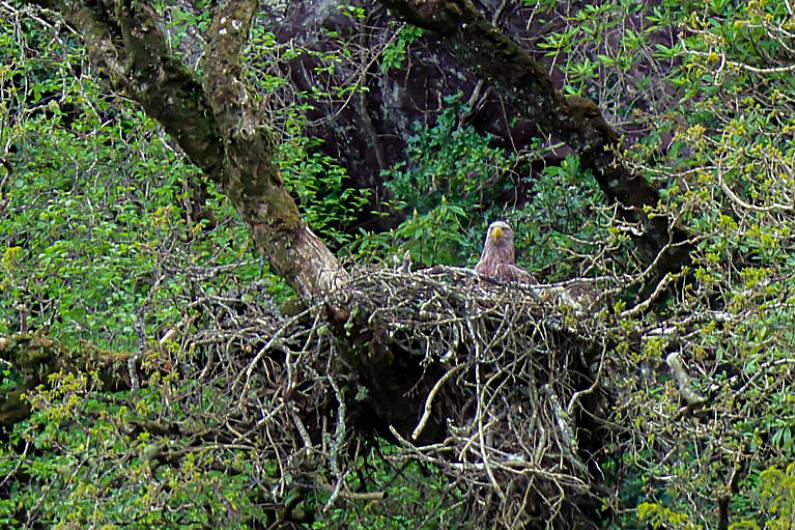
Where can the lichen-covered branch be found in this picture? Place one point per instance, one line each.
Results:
(126, 42)
(578, 121)
(683, 381)
(251, 176)
(30, 359)
(214, 122)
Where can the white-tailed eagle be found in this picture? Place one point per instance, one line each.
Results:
(498, 260)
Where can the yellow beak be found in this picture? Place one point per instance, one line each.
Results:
(497, 232)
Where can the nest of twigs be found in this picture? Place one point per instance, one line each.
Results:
(492, 385)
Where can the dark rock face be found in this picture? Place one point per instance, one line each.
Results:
(368, 132)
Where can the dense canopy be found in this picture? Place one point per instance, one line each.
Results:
(241, 284)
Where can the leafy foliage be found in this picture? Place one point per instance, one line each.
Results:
(394, 55)
(109, 239)
(105, 240)
(455, 181)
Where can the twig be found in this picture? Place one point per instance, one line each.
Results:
(336, 445)
(683, 381)
(426, 414)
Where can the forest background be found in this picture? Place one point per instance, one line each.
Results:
(151, 329)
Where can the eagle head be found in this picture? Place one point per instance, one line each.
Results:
(499, 242)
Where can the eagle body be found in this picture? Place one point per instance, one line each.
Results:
(498, 259)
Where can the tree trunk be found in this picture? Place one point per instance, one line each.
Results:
(215, 124)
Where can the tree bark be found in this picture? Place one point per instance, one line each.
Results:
(252, 179)
(215, 123)
(577, 121)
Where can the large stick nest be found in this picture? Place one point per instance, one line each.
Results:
(493, 385)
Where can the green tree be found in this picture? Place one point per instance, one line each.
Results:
(156, 372)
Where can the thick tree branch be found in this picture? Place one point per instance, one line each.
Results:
(578, 121)
(215, 123)
(125, 42)
(251, 176)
